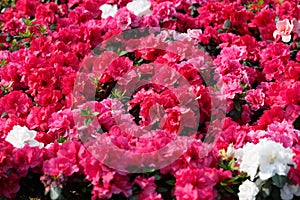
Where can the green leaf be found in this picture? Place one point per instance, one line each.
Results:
(134, 197)
(244, 175)
(27, 44)
(14, 42)
(88, 110)
(53, 27)
(8, 38)
(235, 114)
(61, 139)
(237, 106)
(266, 189)
(8, 171)
(224, 183)
(148, 169)
(260, 2)
(3, 62)
(174, 18)
(221, 30)
(157, 177)
(27, 33)
(36, 25)
(122, 53)
(229, 189)
(279, 180)
(95, 113)
(227, 24)
(4, 114)
(87, 121)
(10, 85)
(43, 29)
(276, 19)
(222, 165)
(162, 189)
(259, 183)
(5, 89)
(95, 80)
(231, 164)
(236, 182)
(27, 22)
(233, 179)
(84, 113)
(171, 182)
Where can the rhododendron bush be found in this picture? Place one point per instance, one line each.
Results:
(150, 99)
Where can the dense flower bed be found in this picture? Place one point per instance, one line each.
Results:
(255, 50)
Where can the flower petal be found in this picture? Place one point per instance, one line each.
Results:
(275, 34)
(286, 38)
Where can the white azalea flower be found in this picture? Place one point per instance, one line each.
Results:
(139, 7)
(248, 191)
(274, 159)
(267, 158)
(108, 10)
(19, 136)
(248, 159)
(288, 191)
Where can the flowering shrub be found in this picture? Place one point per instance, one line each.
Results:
(252, 59)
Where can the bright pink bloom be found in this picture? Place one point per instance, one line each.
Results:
(294, 173)
(256, 98)
(197, 184)
(148, 188)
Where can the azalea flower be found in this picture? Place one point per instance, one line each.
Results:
(296, 24)
(139, 7)
(19, 136)
(288, 191)
(248, 190)
(248, 159)
(108, 10)
(274, 159)
(194, 33)
(268, 157)
(284, 29)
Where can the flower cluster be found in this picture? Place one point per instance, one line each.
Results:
(268, 158)
(253, 46)
(267, 164)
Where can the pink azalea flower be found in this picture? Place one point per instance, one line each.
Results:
(284, 29)
(296, 24)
